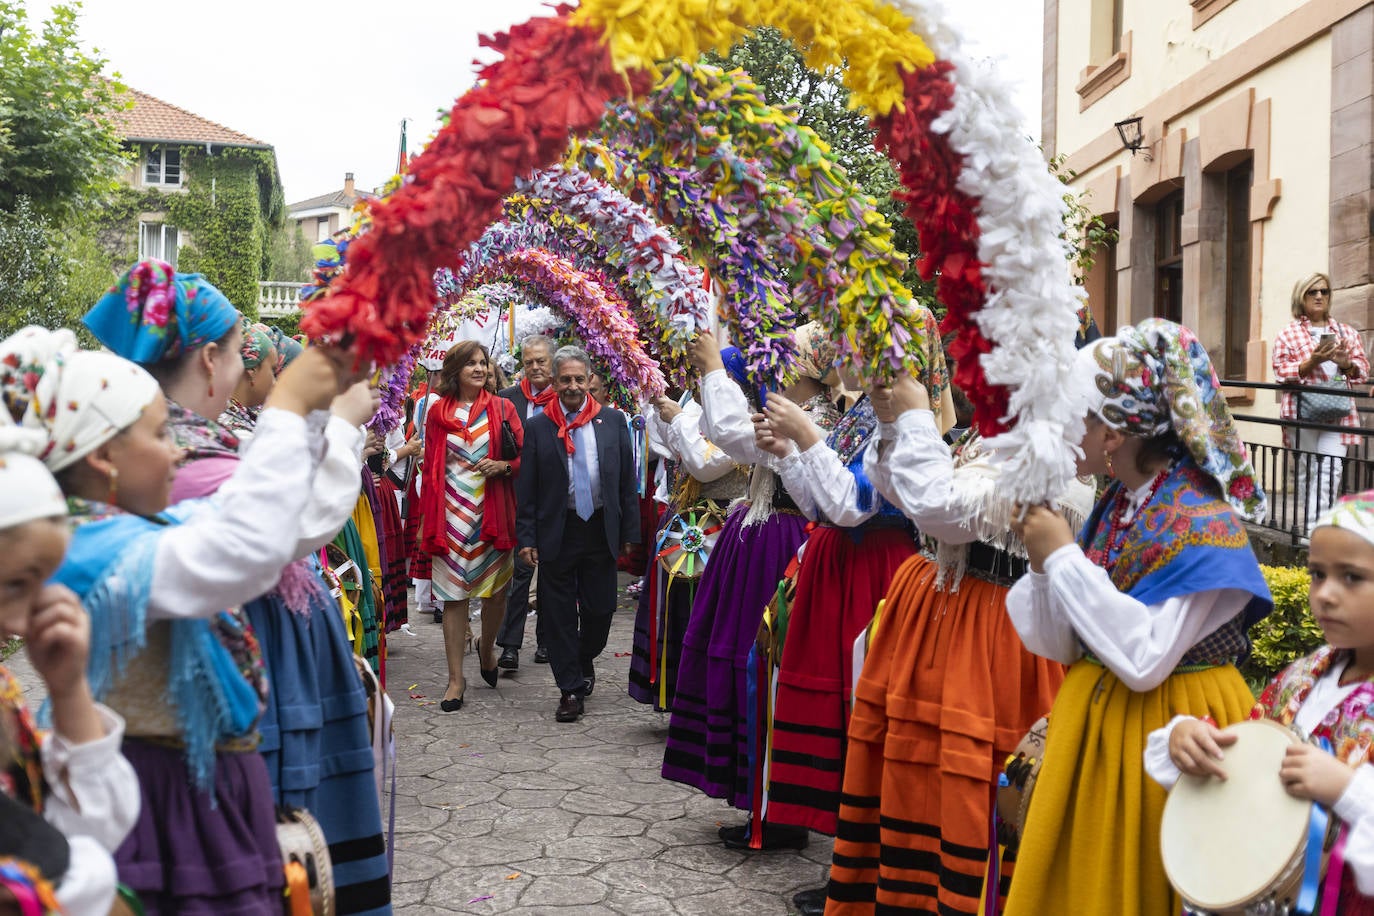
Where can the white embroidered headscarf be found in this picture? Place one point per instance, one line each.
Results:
(77, 399)
(1354, 513)
(27, 488)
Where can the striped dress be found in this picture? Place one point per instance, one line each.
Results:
(471, 567)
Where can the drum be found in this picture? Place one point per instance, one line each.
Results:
(1017, 782)
(1233, 843)
(305, 858)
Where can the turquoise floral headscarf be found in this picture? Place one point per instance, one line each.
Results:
(257, 343)
(154, 313)
(1157, 376)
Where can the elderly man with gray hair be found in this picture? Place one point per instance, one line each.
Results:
(530, 397)
(577, 509)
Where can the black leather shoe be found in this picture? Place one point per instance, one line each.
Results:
(452, 705)
(509, 660)
(438, 615)
(569, 708)
(774, 837)
(541, 656)
(810, 902)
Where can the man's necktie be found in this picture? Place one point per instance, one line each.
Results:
(582, 478)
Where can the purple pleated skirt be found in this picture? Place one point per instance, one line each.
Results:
(708, 739)
(191, 855)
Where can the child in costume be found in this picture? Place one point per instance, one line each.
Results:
(67, 797)
(1329, 694)
(185, 673)
(1149, 608)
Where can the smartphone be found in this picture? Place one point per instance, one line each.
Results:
(1326, 340)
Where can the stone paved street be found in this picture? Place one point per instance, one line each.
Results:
(500, 809)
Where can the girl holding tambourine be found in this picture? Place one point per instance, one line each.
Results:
(1150, 608)
(1329, 694)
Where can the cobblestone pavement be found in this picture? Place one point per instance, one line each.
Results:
(500, 809)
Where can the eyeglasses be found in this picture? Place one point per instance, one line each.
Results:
(1319, 292)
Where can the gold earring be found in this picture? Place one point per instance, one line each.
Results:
(114, 486)
(1107, 456)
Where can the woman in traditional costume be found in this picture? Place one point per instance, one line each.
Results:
(860, 541)
(947, 689)
(259, 356)
(702, 483)
(708, 735)
(468, 506)
(1330, 695)
(1150, 609)
(314, 731)
(67, 797)
(185, 673)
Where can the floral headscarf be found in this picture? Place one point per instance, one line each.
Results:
(257, 343)
(1354, 513)
(154, 313)
(816, 352)
(1155, 377)
(288, 348)
(27, 490)
(78, 399)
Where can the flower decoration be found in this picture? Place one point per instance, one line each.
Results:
(601, 319)
(988, 211)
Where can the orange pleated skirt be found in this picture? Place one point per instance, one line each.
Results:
(947, 692)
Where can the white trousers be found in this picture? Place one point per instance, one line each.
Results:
(1319, 470)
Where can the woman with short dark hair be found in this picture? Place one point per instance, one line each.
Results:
(468, 503)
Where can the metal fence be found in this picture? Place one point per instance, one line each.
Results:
(1300, 482)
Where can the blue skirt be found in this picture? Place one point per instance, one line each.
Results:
(317, 743)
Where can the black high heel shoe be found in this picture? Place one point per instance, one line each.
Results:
(490, 675)
(453, 705)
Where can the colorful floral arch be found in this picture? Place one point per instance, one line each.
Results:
(601, 318)
(988, 213)
(718, 124)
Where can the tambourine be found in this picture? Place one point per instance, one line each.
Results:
(1240, 843)
(686, 542)
(1017, 782)
(305, 859)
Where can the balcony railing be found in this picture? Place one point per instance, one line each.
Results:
(1280, 468)
(278, 298)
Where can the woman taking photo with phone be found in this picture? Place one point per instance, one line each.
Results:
(1316, 350)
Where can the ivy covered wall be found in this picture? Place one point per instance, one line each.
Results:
(231, 203)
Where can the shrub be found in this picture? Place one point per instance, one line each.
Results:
(1285, 635)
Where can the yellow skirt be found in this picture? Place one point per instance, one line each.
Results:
(1091, 840)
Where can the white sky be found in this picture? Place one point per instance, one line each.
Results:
(327, 84)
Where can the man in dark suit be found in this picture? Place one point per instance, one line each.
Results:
(577, 507)
(530, 397)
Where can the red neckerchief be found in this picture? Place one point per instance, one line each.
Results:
(565, 426)
(543, 398)
(444, 414)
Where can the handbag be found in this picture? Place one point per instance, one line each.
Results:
(509, 447)
(1322, 404)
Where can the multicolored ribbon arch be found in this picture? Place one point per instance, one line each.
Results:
(988, 212)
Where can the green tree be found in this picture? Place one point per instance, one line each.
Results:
(289, 254)
(58, 143)
(48, 277)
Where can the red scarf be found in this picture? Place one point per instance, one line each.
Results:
(498, 499)
(566, 426)
(543, 398)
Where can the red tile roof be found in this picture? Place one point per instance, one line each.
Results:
(152, 120)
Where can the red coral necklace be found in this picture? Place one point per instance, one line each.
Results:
(1116, 532)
